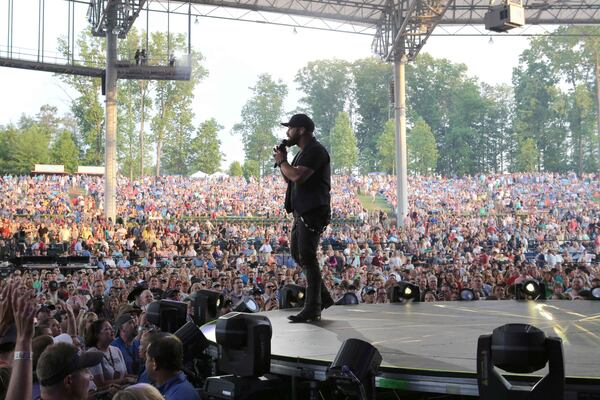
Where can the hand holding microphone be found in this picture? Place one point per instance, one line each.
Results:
(280, 153)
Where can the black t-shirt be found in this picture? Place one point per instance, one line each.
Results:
(313, 194)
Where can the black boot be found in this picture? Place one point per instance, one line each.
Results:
(312, 304)
(326, 299)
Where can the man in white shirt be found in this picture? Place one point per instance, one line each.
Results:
(265, 251)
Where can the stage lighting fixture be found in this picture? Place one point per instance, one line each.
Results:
(530, 290)
(354, 368)
(292, 296)
(245, 352)
(467, 295)
(520, 349)
(193, 340)
(404, 291)
(245, 341)
(595, 293)
(168, 315)
(206, 304)
(347, 299)
(246, 306)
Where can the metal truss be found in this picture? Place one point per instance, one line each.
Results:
(125, 13)
(406, 29)
(399, 27)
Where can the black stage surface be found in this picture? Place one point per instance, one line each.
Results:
(431, 347)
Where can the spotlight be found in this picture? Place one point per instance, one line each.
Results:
(467, 295)
(519, 348)
(292, 296)
(245, 342)
(595, 292)
(206, 304)
(245, 348)
(354, 368)
(167, 314)
(246, 306)
(530, 290)
(404, 291)
(347, 299)
(194, 342)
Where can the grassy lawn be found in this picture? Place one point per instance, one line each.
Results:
(376, 204)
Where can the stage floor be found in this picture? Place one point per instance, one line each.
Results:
(435, 339)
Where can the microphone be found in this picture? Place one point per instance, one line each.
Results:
(281, 146)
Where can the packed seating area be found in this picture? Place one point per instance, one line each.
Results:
(176, 235)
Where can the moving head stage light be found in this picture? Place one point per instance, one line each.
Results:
(246, 306)
(347, 299)
(168, 315)
(292, 296)
(403, 292)
(206, 305)
(519, 348)
(245, 352)
(354, 368)
(530, 290)
(193, 340)
(467, 295)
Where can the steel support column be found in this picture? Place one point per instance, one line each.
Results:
(598, 106)
(400, 119)
(110, 173)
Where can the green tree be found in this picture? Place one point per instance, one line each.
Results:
(386, 148)
(64, 151)
(527, 158)
(451, 104)
(8, 138)
(251, 169)
(87, 108)
(172, 125)
(134, 105)
(371, 95)
(344, 153)
(235, 169)
(538, 106)
(422, 150)
(206, 148)
(496, 141)
(260, 117)
(29, 148)
(326, 84)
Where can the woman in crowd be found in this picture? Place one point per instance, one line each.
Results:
(112, 370)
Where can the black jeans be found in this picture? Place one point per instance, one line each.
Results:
(304, 244)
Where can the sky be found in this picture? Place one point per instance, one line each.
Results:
(235, 53)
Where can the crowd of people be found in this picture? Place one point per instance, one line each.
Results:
(176, 235)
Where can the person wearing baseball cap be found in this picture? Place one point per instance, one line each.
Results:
(127, 328)
(308, 198)
(63, 372)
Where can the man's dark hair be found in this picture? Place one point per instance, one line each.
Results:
(167, 352)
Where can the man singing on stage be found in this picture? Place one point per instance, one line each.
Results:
(308, 198)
